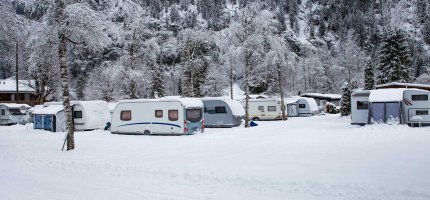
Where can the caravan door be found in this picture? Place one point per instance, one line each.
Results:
(386, 112)
(378, 111)
(292, 110)
(392, 113)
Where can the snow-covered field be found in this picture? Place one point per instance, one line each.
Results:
(321, 157)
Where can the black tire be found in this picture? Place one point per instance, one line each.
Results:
(146, 132)
(255, 119)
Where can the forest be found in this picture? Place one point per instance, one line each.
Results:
(128, 49)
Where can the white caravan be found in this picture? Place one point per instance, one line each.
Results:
(399, 106)
(88, 115)
(305, 106)
(360, 107)
(171, 116)
(264, 109)
(222, 112)
(12, 113)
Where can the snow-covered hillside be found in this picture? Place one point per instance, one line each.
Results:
(321, 157)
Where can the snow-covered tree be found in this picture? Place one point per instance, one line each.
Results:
(345, 101)
(195, 49)
(394, 59)
(369, 76)
(65, 24)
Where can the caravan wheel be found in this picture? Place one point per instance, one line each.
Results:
(146, 132)
(255, 119)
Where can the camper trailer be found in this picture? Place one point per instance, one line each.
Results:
(360, 107)
(399, 106)
(171, 116)
(88, 115)
(12, 113)
(49, 118)
(264, 109)
(305, 106)
(222, 112)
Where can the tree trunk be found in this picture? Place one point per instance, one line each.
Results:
(281, 91)
(65, 78)
(247, 74)
(16, 74)
(231, 81)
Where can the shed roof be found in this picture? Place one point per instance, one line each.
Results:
(322, 96)
(403, 85)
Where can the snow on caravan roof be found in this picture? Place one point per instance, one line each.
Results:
(48, 110)
(187, 102)
(14, 105)
(235, 106)
(387, 95)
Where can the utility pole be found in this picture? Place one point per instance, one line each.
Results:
(16, 74)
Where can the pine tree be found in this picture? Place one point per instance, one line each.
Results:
(394, 60)
(369, 76)
(345, 102)
(157, 82)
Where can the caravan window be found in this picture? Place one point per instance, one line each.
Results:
(173, 115)
(77, 114)
(220, 109)
(422, 112)
(420, 97)
(15, 111)
(362, 105)
(271, 108)
(158, 113)
(125, 115)
(261, 108)
(3, 112)
(194, 115)
(302, 105)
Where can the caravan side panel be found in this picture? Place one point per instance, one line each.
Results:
(416, 103)
(143, 119)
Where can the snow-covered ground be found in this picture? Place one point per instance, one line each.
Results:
(321, 157)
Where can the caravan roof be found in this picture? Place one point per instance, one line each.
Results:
(235, 106)
(387, 95)
(187, 102)
(48, 110)
(14, 105)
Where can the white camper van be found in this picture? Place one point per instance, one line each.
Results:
(171, 116)
(360, 107)
(88, 115)
(12, 113)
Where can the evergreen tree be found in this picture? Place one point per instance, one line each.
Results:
(394, 60)
(157, 81)
(369, 76)
(345, 102)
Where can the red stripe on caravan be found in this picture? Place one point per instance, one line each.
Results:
(407, 101)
